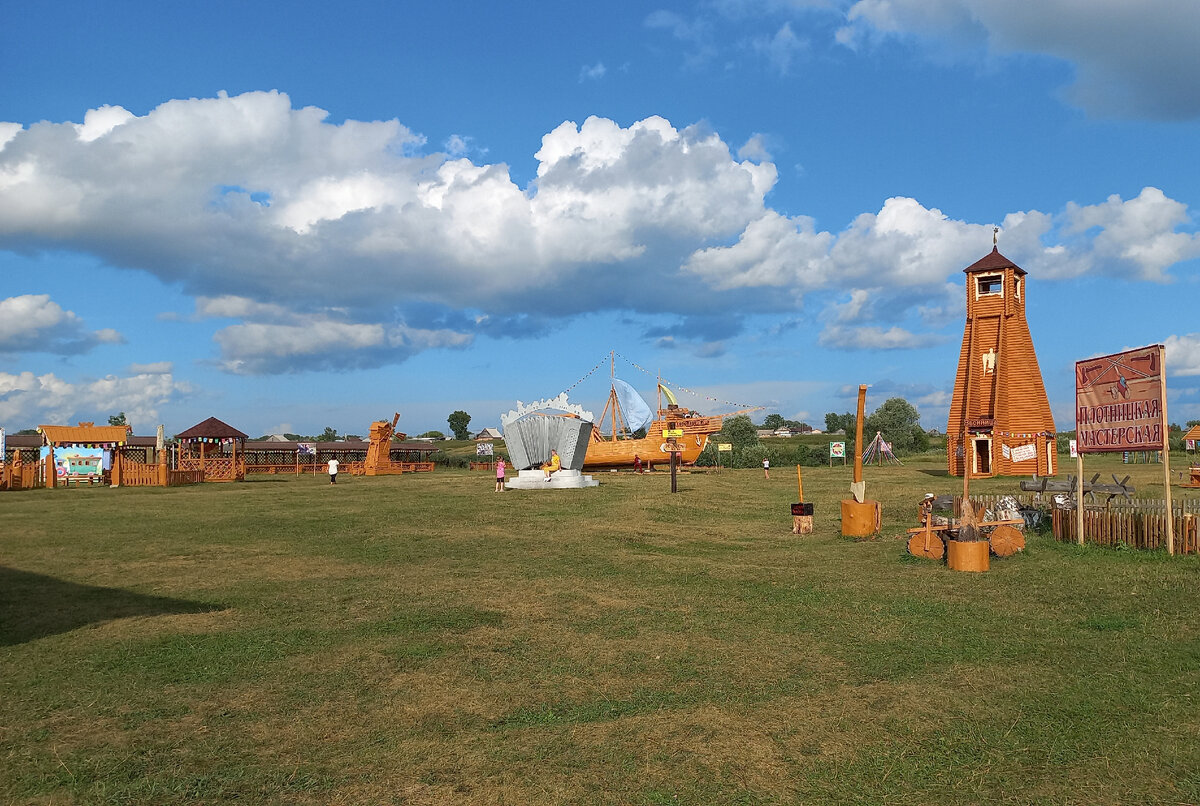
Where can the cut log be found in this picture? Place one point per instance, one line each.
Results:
(926, 544)
(1006, 541)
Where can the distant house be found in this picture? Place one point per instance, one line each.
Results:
(489, 433)
(764, 432)
(782, 431)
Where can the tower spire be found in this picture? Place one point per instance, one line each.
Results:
(995, 232)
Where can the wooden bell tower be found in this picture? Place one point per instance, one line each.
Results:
(1000, 420)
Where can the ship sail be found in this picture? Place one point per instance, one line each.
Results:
(636, 410)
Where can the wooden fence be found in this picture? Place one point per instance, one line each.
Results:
(1129, 527)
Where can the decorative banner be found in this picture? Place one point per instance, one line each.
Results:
(837, 450)
(1191, 443)
(1023, 453)
(305, 448)
(1007, 451)
(1074, 448)
(483, 449)
(1118, 402)
(1, 447)
(724, 446)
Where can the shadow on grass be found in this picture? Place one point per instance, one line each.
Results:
(34, 606)
(939, 473)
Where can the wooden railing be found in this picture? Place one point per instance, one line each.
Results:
(177, 478)
(219, 468)
(284, 468)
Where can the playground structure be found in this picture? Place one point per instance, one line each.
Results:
(860, 517)
(879, 452)
(1000, 422)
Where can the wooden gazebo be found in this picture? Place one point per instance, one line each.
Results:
(216, 448)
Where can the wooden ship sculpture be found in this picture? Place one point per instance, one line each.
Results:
(626, 413)
(1000, 421)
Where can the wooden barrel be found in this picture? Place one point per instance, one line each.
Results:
(861, 520)
(1006, 541)
(962, 555)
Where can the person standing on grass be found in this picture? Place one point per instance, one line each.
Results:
(637, 463)
(500, 474)
(333, 465)
(766, 467)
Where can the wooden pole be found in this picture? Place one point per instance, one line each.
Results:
(1078, 489)
(858, 431)
(1162, 363)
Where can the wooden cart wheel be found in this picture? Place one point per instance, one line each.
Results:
(926, 544)
(1006, 541)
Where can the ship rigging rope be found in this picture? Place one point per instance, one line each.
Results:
(585, 377)
(692, 392)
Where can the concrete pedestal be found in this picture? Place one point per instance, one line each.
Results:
(562, 480)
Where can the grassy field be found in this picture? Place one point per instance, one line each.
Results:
(421, 639)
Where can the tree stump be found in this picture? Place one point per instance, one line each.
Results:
(802, 524)
(1006, 541)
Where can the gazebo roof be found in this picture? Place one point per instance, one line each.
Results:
(1193, 433)
(993, 261)
(85, 434)
(212, 428)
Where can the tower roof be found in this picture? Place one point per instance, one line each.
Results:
(993, 262)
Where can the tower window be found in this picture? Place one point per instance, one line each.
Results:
(989, 284)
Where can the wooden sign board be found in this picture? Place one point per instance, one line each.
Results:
(672, 433)
(1118, 402)
(724, 446)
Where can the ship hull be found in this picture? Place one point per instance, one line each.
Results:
(652, 449)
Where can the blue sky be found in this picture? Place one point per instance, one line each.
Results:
(295, 215)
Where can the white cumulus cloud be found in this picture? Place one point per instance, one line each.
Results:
(328, 244)
(47, 399)
(35, 323)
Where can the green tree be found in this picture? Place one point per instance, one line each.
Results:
(459, 420)
(900, 424)
(432, 435)
(773, 421)
(738, 430)
(328, 435)
(843, 422)
(118, 419)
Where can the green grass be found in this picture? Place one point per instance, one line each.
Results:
(420, 639)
